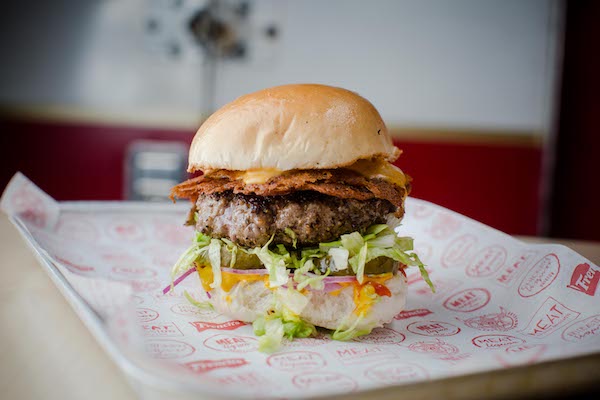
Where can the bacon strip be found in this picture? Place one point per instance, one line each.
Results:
(340, 183)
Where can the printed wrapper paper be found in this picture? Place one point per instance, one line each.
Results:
(498, 303)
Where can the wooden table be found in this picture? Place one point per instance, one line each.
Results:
(47, 352)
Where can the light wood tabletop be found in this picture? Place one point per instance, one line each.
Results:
(47, 352)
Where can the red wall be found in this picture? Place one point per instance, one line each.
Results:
(496, 184)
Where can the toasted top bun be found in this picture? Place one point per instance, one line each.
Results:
(291, 127)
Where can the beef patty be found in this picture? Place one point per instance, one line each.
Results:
(251, 220)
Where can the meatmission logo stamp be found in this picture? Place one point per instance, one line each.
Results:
(168, 349)
(495, 341)
(325, 381)
(468, 300)
(161, 329)
(203, 366)
(487, 262)
(435, 347)
(585, 279)
(146, 314)
(382, 336)
(510, 272)
(232, 343)
(359, 353)
(396, 372)
(443, 225)
(501, 321)
(583, 331)
(458, 250)
(433, 328)
(540, 276)
(296, 361)
(551, 315)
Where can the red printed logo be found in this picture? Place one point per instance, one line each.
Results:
(146, 314)
(418, 312)
(487, 262)
(133, 272)
(361, 354)
(173, 234)
(224, 326)
(76, 268)
(436, 346)
(551, 315)
(583, 330)
(325, 382)
(443, 225)
(382, 336)
(127, 230)
(232, 343)
(144, 286)
(190, 310)
(296, 361)
(421, 211)
(495, 341)
(521, 354)
(168, 349)
(457, 251)
(77, 228)
(512, 271)
(167, 329)
(502, 321)
(585, 279)
(433, 328)
(540, 276)
(249, 379)
(395, 372)
(468, 300)
(202, 366)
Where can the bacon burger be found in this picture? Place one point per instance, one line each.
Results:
(295, 214)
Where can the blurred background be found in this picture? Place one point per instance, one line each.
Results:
(496, 104)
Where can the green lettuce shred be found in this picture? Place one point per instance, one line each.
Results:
(353, 250)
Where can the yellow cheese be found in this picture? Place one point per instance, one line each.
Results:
(370, 169)
(228, 279)
(379, 169)
(259, 176)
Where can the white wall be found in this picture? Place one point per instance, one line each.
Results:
(431, 63)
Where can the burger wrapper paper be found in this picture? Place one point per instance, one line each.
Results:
(499, 303)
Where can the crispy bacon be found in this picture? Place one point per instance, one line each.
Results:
(340, 183)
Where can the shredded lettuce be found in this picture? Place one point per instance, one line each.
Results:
(315, 280)
(309, 265)
(350, 332)
(204, 305)
(339, 256)
(274, 263)
(292, 235)
(284, 321)
(214, 256)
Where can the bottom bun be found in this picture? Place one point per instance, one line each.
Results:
(247, 301)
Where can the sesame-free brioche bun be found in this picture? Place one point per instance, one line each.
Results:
(247, 301)
(302, 126)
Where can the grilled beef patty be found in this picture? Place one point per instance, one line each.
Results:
(251, 220)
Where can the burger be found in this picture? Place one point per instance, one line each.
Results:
(295, 214)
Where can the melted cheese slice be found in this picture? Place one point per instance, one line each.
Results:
(379, 169)
(228, 279)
